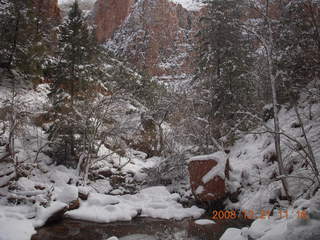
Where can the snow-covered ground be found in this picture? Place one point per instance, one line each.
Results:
(276, 228)
(255, 171)
(45, 190)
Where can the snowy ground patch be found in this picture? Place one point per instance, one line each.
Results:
(14, 226)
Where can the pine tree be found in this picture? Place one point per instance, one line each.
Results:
(224, 65)
(73, 72)
(23, 43)
(298, 45)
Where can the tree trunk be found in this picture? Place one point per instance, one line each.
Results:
(277, 141)
(310, 151)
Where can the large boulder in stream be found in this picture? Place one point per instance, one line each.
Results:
(207, 176)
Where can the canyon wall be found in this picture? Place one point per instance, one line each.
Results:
(156, 36)
(109, 15)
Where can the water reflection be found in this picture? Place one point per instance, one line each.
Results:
(138, 229)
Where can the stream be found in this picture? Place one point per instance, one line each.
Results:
(137, 229)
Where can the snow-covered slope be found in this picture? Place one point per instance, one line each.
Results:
(254, 164)
(255, 177)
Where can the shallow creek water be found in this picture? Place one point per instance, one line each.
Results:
(137, 229)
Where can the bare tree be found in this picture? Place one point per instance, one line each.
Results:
(266, 39)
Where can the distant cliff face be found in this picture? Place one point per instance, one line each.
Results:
(155, 35)
(109, 15)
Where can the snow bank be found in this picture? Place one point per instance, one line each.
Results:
(43, 214)
(292, 228)
(254, 170)
(14, 226)
(154, 202)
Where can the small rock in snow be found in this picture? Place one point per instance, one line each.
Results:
(113, 238)
(232, 234)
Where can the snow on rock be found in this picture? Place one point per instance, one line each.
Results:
(101, 185)
(25, 184)
(232, 234)
(66, 194)
(43, 214)
(190, 5)
(260, 227)
(199, 189)
(113, 238)
(138, 237)
(207, 176)
(83, 192)
(204, 221)
(154, 202)
(217, 170)
(217, 156)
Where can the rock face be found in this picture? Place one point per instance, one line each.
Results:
(204, 185)
(156, 36)
(109, 15)
(48, 8)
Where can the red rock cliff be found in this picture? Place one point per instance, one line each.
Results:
(49, 8)
(157, 36)
(109, 15)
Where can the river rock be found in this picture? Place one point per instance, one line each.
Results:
(207, 176)
(74, 204)
(83, 192)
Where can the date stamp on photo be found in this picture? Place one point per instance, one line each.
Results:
(262, 214)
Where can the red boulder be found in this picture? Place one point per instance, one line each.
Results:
(207, 176)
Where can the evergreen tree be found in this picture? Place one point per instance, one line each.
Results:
(74, 73)
(77, 49)
(224, 64)
(23, 41)
(298, 45)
